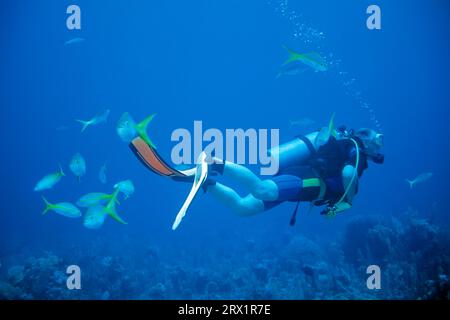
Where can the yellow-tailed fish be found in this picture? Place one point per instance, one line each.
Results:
(110, 209)
(127, 129)
(311, 59)
(94, 198)
(94, 217)
(141, 129)
(126, 187)
(78, 166)
(49, 180)
(65, 209)
(325, 133)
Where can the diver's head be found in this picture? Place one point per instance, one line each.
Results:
(373, 142)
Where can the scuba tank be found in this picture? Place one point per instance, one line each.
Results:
(296, 152)
(299, 151)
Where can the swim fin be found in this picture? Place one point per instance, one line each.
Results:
(201, 175)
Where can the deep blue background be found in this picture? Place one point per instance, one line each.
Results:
(214, 61)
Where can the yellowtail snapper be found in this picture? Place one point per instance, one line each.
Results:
(325, 133)
(127, 129)
(95, 217)
(65, 209)
(78, 166)
(126, 187)
(311, 59)
(110, 209)
(94, 198)
(49, 180)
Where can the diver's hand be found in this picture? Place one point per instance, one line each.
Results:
(328, 211)
(331, 210)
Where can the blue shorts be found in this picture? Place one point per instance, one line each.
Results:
(290, 188)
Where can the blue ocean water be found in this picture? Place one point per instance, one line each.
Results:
(217, 61)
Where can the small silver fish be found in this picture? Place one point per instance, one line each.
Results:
(62, 128)
(419, 179)
(126, 187)
(102, 174)
(292, 69)
(74, 41)
(100, 118)
(103, 117)
(302, 122)
(95, 217)
(49, 180)
(64, 208)
(78, 166)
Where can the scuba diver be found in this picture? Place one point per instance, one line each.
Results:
(322, 168)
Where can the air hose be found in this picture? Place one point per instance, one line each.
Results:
(352, 180)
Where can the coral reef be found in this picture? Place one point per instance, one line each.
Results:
(413, 254)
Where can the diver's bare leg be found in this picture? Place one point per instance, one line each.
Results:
(265, 190)
(241, 174)
(246, 206)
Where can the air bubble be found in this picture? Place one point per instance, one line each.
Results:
(315, 38)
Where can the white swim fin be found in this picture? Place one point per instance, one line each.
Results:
(200, 177)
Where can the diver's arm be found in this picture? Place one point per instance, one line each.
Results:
(348, 173)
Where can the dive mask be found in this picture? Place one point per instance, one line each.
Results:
(378, 139)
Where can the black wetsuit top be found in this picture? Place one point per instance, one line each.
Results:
(331, 159)
(327, 163)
